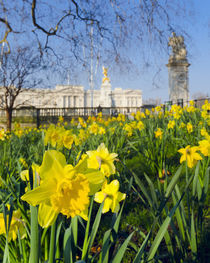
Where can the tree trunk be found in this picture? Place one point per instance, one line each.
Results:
(9, 119)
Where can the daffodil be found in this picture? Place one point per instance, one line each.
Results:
(61, 119)
(54, 136)
(24, 175)
(2, 134)
(68, 139)
(17, 224)
(191, 109)
(140, 126)
(190, 155)
(204, 147)
(158, 108)
(189, 127)
(93, 128)
(147, 112)
(171, 124)
(102, 131)
(64, 189)
(128, 128)
(111, 196)
(102, 159)
(158, 133)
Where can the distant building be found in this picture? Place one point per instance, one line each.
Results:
(70, 96)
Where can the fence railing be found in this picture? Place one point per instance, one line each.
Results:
(46, 115)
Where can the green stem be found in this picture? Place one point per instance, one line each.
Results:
(46, 248)
(188, 197)
(34, 251)
(52, 244)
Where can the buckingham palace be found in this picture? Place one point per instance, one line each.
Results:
(75, 96)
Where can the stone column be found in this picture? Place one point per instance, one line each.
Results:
(105, 96)
(178, 71)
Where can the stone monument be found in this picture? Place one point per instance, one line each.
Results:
(178, 71)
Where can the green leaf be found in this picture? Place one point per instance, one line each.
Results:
(159, 238)
(173, 182)
(206, 181)
(193, 235)
(67, 246)
(95, 227)
(143, 189)
(104, 256)
(142, 249)
(152, 190)
(89, 241)
(162, 232)
(118, 257)
(195, 180)
(85, 243)
(179, 218)
(74, 224)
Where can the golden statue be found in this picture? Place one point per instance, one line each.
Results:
(105, 75)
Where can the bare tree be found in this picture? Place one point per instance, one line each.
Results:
(63, 27)
(16, 75)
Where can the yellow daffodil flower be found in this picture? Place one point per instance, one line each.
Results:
(140, 125)
(102, 131)
(182, 125)
(68, 139)
(204, 147)
(17, 224)
(147, 112)
(2, 135)
(111, 196)
(158, 133)
(102, 159)
(190, 155)
(171, 124)
(206, 106)
(61, 119)
(158, 108)
(128, 128)
(64, 189)
(24, 175)
(93, 128)
(192, 103)
(189, 127)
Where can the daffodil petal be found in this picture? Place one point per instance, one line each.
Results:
(81, 167)
(116, 208)
(24, 175)
(46, 215)
(107, 205)
(182, 159)
(99, 197)
(113, 187)
(39, 194)
(96, 179)
(84, 214)
(53, 165)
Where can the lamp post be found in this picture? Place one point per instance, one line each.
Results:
(91, 66)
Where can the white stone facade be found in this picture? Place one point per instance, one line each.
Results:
(68, 96)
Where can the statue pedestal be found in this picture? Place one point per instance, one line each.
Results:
(178, 80)
(106, 94)
(178, 71)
